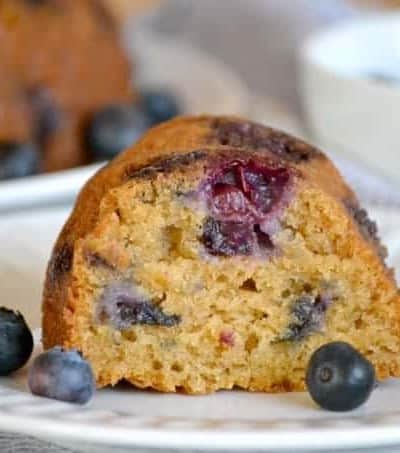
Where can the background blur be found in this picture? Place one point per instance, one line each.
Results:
(328, 71)
(347, 103)
(260, 39)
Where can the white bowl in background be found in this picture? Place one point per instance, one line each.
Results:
(348, 109)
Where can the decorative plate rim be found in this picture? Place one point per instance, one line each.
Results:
(24, 413)
(257, 435)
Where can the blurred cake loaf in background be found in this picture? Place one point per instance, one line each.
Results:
(60, 62)
(122, 9)
(67, 92)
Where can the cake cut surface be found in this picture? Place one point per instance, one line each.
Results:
(219, 253)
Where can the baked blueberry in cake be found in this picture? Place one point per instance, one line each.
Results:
(219, 253)
(60, 62)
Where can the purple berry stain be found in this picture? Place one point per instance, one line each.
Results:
(308, 316)
(242, 197)
(123, 305)
(227, 338)
(228, 238)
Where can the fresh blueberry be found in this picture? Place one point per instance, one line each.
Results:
(62, 375)
(18, 160)
(16, 341)
(115, 128)
(339, 378)
(159, 106)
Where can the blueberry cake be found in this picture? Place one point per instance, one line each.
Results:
(60, 62)
(219, 253)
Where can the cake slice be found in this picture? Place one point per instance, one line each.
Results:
(219, 253)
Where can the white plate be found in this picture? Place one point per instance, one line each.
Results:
(201, 83)
(126, 417)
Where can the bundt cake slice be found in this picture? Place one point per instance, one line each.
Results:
(218, 253)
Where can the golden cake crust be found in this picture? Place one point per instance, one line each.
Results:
(183, 147)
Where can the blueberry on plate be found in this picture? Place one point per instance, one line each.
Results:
(16, 341)
(339, 378)
(115, 128)
(18, 160)
(159, 106)
(62, 375)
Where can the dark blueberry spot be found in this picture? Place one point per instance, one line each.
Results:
(368, 227)
(263, 239)
(55, 5)
(37, 2)
(47, 115)
(228, 238)
(308, 316)
(233, 238)
(245, 134)
(124, 306)
(159, 106)
(61, 262)
(18, 160)
(165, 165)
(41, 2)
(264, 187)
(62, 375)
(16, 341)
(339, 378)
(95, 260)
(114, 129)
